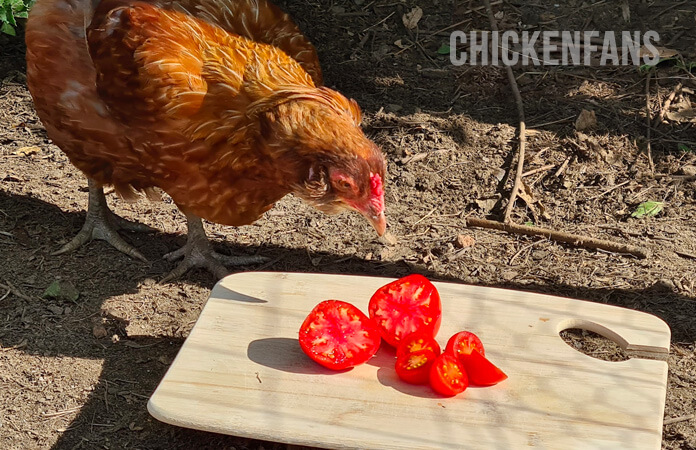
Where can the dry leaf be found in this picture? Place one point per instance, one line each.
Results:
(509, 275)
(400, 44)
(99, 331)
(625, 11)
(535, 206)
(682, 112)
(412, 18)
(662, 52)
(688, 170)
(464, 241)
(486, 205)
(27, 151)
(586, 120)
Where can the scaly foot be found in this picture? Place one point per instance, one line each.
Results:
(198, 253)
(102, 223)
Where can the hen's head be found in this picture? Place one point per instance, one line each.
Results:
(333, 185)
(329, 161)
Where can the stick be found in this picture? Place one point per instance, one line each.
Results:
(558, 236)
(610, 190)
(678, 419)
(522, 129)
(685, 254)
(563, 167)
(665, 107)
(16, 291)
(379, 23)
(538, 169)
(498, 2)
(649, 120)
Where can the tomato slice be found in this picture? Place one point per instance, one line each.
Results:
(414, 367)
(463, 343)
(481, 371)
(338, 335)
(418, 341)
(447, 375)
(404, 306)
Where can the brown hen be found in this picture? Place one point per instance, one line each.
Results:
(217, 102)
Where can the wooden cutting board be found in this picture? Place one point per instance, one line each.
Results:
(242, 372)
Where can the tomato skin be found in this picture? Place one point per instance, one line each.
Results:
(481, 371)
(447, 376)
(414, 367)
(338, 335)
(417, 341)
(404, 306)
(463, 343)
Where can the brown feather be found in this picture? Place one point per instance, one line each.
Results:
(215, 102)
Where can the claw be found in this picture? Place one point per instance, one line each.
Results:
(103, 224)
(197, 253)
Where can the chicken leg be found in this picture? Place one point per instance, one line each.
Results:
(102, 223)
(198, 253)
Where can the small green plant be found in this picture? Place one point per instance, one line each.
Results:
(444, 49)
(648, 209)
(10, 11)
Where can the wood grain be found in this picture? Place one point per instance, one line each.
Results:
(242, 372)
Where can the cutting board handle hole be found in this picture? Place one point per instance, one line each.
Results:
(593, 340)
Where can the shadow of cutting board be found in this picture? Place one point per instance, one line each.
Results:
(242, 372)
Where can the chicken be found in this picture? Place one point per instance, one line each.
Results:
(219, 103)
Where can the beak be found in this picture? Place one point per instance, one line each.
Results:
(379, 223)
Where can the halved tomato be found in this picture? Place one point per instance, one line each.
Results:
(338, 335)
(404, 306)
(414, 367)
(481, 371)
(447, 376)
(418, 341)
(463, 343)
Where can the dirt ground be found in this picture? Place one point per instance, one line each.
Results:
(77, 373)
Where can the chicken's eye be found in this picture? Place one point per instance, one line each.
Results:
(345, 185)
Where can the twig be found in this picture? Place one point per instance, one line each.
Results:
(537, 170)
(16, 291)
(425, 216)
(478, 8)
(522, 131)
(678, 419)
(379, 23)
(554, 122)
(648, 116)
(526, 247)
(685, 255)
(15, 347)
(665, 107)
(610, 190)
(669, 8)
(563, 167)
(106, 395)
(62, 413)
(558, 236)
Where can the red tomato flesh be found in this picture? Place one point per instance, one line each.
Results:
(463, 343)
(338, 335)
(447, 376)
(404, 306)
(481, 371)
(418, 341)
(414, 367)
